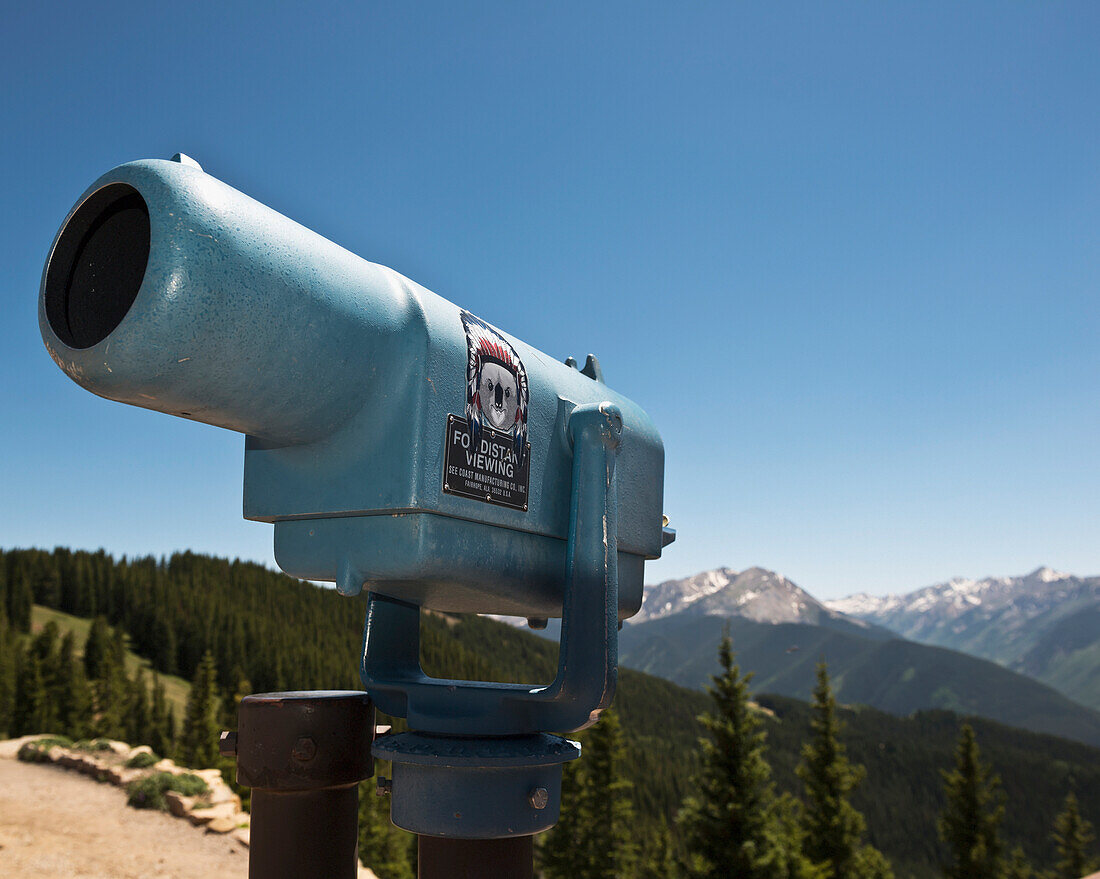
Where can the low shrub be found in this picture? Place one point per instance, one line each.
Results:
(53, 741)
(142, 761)
(38, 751)
(92, 745)
(148, 792)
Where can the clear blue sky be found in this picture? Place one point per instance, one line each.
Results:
(846, 255)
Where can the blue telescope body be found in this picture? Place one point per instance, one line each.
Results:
(394, 440)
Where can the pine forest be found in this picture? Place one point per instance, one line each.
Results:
(672, 782)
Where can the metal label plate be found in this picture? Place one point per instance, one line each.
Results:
(487, 468)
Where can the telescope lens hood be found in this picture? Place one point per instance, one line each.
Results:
(97, 266)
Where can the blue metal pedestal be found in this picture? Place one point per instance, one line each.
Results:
(478, 788)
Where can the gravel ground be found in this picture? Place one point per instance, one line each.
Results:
(55, 823)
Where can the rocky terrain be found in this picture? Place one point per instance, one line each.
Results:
(55, 820)
(58, 823)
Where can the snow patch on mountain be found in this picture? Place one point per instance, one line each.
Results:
(755, 593)
(862, 604)
(956, 597)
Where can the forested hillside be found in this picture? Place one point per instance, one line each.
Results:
(273, 632)
(893, 674)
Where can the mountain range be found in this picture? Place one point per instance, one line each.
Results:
(780, 632)
(1044, 624)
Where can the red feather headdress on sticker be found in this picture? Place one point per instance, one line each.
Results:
(483, 342)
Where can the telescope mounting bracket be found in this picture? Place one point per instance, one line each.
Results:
(479, 763)
(588, 650)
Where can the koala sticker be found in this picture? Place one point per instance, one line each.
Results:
(486, 453)
(496, 383)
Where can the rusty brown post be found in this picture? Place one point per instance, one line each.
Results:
(303, 754)
(510, 858)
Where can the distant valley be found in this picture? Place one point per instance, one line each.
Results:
(780, 632)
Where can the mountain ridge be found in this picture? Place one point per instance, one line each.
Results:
(755, 593)
(961, 592)
(1045, 624)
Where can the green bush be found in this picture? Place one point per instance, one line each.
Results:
(92, 745)
(142, 761)
(148, 792)
(32, 753)
(38, 750)
(52, 741)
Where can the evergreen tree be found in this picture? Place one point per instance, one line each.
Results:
(561, 853)
(112, 696)
(729, 823)
(117, 648)
(160, 739)
(20, 603)
(29, 714)
(788, 832)
(834, 829)
(1073, 838)
(74, 706)
(658, 860)
(1018, 866)
(241, 687)
(971, 819)
(44, 644)
(172, 728)
(96, 649)
(595, 839)
(199, 740)
(43, 647)
(873, 864)
(163, 645)
(608, 844)
(138, 729)
(381, 847)
(7, 672)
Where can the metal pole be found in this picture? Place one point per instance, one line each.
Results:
(303, 754)
(304, 834)
(444, 858)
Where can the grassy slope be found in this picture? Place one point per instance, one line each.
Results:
(1077, 675)
(1066, 654)
(175, 689)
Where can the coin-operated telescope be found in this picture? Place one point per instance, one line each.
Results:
(397, 443)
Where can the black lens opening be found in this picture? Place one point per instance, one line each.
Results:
(97, 266)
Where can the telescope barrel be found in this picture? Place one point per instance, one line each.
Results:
(167, 289)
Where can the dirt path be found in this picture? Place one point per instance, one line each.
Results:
(55, 823)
